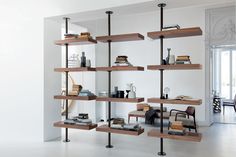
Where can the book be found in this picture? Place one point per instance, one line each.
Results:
(183, 62)
(177, 127)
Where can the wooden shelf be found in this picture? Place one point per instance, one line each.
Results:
(174, 101)
(175, 67)
(105, 128)
(129, 100)
(77, 41)
(184, 32)
(76, 69)
(61, 124)
(75, 97)
(120, 38)
(189, 136)
(120, 68)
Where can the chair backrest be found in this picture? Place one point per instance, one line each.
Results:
(190, 110)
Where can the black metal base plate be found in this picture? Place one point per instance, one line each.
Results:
(66, 140)
(161, 154)
(161, 5)
(109, 146)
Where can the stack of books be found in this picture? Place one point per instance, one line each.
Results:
(122, 61)
(86, 93)
(71, 36)
(81, 119)
(75, 36)
(176, 128)
(183, 60)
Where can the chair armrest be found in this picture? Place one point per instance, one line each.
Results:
(180, 113)
(175, 110)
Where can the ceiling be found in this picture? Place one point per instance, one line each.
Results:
(148, 6)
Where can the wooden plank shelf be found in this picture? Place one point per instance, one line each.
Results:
(174, 101)
(120, 38)
(105, 128)
(184, 32)
(120, 68)
(128, 100)
(76, 69)
(189, 136)
(75, 97)
(175, 67)
(76, 41)
(61, 124)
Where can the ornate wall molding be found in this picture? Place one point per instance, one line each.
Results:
(221, 26)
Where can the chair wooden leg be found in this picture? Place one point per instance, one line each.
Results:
(189, 129)
(195, 130)
(128, 118)
(136, 119)
(223, 110)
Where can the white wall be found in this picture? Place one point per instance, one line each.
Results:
(21, 61)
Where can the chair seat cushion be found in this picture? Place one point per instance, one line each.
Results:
(166, 115)
(138, 113)
(186, 121)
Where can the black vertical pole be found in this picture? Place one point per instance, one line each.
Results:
(109, 78)
(66, 31)
(161, 153)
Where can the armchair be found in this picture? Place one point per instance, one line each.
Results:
(188, 120)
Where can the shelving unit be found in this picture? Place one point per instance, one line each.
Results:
(76, 69)
(120, 38)
(189, 136)
(174, 101)
(184, 32)
(61, 124)
(165, 34)
(77, 41)
(175, 67)
(66, 70)
(109, 39)
(62, 97)
(120, 68)
(105, 128)
(129, 100)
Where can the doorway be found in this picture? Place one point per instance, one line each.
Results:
(224, 83)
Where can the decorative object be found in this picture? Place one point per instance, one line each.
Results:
(120, 94)
(132, 93)
(88, 63)
(168, 56)
(128, 89)
(73, 60)
(163, 62)
(172, 59)
(83, 60)
(166, 92)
